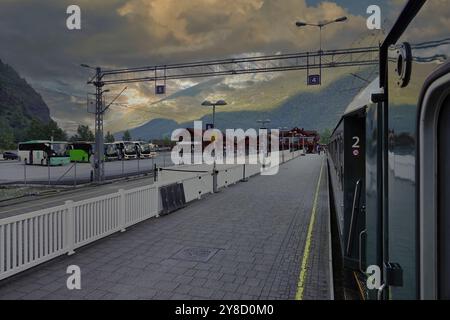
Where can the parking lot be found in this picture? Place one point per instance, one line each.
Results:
(15, 172)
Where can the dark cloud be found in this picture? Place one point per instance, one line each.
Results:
(119, 33)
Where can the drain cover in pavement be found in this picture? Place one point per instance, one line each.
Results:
(195, 254)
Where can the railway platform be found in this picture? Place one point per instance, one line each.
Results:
(267, 238)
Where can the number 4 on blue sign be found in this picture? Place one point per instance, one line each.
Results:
(314, 80)
(160, 89)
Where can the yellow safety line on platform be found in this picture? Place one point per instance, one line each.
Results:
(302, 278)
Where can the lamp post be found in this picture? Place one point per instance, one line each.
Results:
(320, 25)
(263, 123)
(282, 131)
(208, 103)
(291, 140)
(263, 127)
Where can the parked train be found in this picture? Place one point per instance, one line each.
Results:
(389, 165)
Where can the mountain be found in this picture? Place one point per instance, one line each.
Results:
(20, 104)
(155, 129)
(285, 101)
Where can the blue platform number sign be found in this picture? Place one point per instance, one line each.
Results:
(314, 80)
(160, 89)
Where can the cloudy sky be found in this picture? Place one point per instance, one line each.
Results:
(130, 33)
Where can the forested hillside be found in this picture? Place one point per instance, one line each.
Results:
(23, 113)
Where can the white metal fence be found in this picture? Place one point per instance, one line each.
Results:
(30, 239)
(33, 238)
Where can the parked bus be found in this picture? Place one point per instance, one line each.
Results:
(111, 152)
(146, 150)
(127, 150)
(53, 153)
(81, 151)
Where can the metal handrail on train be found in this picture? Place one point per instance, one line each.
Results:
(352, 221)
(360, 251)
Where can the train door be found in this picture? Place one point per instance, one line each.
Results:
(371, 237)
(434, 189)
(444, 202)
(412, 236)
(354, 187)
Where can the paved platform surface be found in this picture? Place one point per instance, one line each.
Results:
(57, 197)
(246, 242)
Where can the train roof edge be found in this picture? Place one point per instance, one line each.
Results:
(364, 97)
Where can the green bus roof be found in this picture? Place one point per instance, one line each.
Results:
(43, 141)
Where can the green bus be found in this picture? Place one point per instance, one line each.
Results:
(81, 152)
(43, 152)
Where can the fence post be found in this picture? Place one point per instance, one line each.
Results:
(122, 210)
(75, 175)
(70, 228)
(215, 174)
(48, 169)
(25, 171)
(138, 163)
(244, 178)
(155, 173)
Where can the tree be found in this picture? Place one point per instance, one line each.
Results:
(109, 138)
(41, 131)
(83, 134)
(6, 136)
(36, 131)
(325, 136)
(126, 136)
(167, 141)
(52, 130)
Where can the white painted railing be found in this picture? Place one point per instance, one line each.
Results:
(30, 239)
(141, 204)
(33, 238)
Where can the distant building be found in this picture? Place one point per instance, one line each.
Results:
(297, 139)
(294, 139)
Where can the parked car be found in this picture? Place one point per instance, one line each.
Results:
(10, 156)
